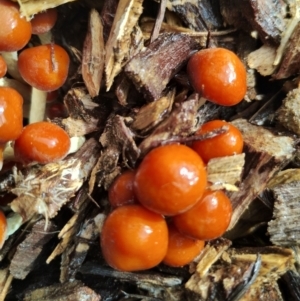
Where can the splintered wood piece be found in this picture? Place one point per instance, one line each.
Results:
(180, 123)
(30, 248)
(5, 282)
(93, 54)
(290, 63)
(266, 153)
(152, 69)
(72, 226)
(28, 8)
(153, 113)
(118, 46)
(74, 256)
(289, 114)
(45, 189)
(70, 291)
(284, 228)
(225, 172)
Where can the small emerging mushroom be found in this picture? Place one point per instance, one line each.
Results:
(42, 23)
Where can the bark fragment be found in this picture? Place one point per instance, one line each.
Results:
(30, 248)
(85, 116)
(153, 113)
(93, 54)
(118, 142)
(197, 15)
(152, 69)
(264, 16)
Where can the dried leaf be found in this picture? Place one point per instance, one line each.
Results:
(93, 54)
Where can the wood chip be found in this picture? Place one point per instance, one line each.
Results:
(117, 50)
(225, 172)
(30, 248)
(284, 228)
(153, 113)
(93, 54)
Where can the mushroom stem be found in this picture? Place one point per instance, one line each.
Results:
(45, 38)
(37, 105)
(22, 88)
(11, 59)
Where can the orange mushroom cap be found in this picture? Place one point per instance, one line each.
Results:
(11, 114)
(15, 31)
(3, 66)
(44, 21)
(44, 67)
